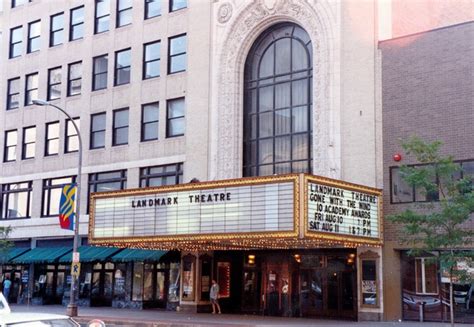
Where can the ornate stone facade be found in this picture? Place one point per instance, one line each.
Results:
(234, 39)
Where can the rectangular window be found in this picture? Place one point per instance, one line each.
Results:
(52, 189)
(29, 143)
(31, 88)
(152, 8)
(71, 143)
(122, 67)
(16, 3)
(120, 127)
(107, 181)
(11, 140)
(56, 31)
(426, 276)
(150, 114)
(102, 16)
(99, 71)
(76, 23)
(16, 41)
(151, 60)
(34, 34)
(54, 83)
(13, 93)
(51, 146)
(161, 175)
(16, 200)
(401, 191)
(175, 123)
(124, 12)
(177, 54)
(74, 78)
(178, 4)
(97, 131)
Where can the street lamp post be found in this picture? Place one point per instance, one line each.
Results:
(72, 306)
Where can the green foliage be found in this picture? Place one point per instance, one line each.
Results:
(5, 243)
(438, 224)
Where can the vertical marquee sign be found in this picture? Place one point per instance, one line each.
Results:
(342, 211)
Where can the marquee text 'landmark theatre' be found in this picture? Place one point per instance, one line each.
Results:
(292, 245)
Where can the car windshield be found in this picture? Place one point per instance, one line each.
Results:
(45, 323)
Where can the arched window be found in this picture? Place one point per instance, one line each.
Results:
(277, 104)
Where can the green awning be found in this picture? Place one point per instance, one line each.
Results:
(133, 255)
(11, 254)
(91, 253)
(42, 255)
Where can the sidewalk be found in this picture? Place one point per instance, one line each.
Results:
(148, 318)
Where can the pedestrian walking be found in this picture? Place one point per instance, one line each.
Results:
(6, 288)
(214, 295)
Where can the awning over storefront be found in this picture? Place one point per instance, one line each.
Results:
(132, 255)
(13, 253)
(42, 255)
(91, 253)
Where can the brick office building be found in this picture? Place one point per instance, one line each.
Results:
(427, 90)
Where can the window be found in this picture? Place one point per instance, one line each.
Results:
(151, 60)
(71, 143)
(177, 54)
(152, 8)
(16, 39)
(16, 200)
(401, 191)
(99, 80)
(51, 146)
(76, 24)
(122, 67)
(426, 276)
(56, 33)
(120, 127)
(124, 12)
(161, 175)
(107, 181)
(102, 16)
(178, 4)
(9, 151)
(175, 118)
(13, 93)
(150, 113)
(16, 3)
(29, 143)
(277, 103)
(31, 88)
(34, 33)
(74, 78)
(52, 189)
(54, 83)
(97, 131)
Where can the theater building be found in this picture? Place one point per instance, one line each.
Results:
(271, 105)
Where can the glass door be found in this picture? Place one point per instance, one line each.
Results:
(312, 292)
(251, 291)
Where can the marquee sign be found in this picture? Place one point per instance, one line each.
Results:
(250, 207)
(342, 209)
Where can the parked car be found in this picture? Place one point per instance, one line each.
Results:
(463, 294)
(31, 319)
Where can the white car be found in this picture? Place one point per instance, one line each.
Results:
(31, 319)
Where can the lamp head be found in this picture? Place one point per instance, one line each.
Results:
(39, 102)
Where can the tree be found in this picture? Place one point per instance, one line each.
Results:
(440, 223)
(5, 244)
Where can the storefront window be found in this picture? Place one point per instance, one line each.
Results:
(426, 276)
(148, 282)
(206, 268)
(369, 282)
(119, 287)
(85, 282)
(173, 290)
(137, 288)
(189, 263)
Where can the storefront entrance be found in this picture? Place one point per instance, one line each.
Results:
(50, 283)
(102, 283)
(288, 283)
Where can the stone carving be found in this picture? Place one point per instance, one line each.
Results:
(239, 36)
(224, 13)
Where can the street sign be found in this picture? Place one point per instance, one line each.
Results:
(76, 269)
(75, 257)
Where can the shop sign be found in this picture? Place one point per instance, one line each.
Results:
(340, 210)
(25, 276)
(229, 209)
